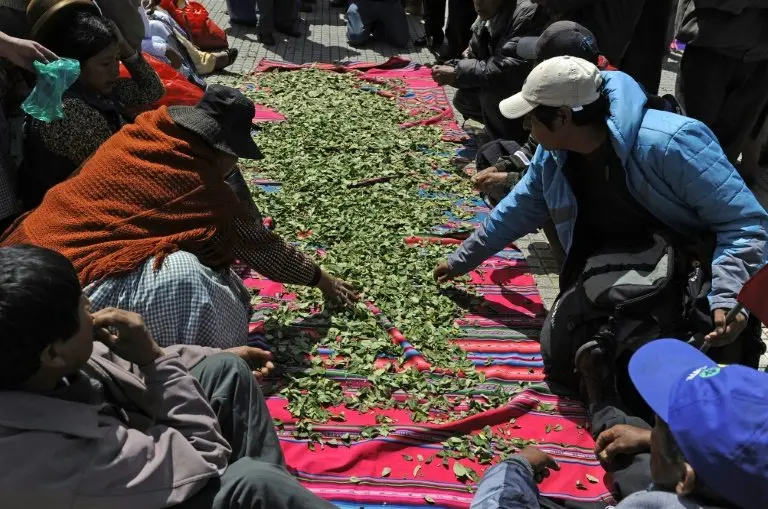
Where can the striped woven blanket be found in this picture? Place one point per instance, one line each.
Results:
(405, 467)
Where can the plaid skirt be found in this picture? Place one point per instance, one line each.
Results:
(184, 302)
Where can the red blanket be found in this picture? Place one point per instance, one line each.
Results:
(505, 331)
(419, 94)
(500, 336)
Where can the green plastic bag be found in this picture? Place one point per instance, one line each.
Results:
(53, 79)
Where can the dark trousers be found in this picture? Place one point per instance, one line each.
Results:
(632, 473)
(483, 106)
(271, 14)
(386, 20)
(256, 477)
(646, 51)
(434, 19)
(458, 30)
(725, 93)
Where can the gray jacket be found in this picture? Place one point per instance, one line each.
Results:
(735, 28)
(164, 448)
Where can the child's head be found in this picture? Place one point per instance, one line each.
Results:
(47, 330)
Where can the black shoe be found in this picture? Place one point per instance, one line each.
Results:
(243, 23)
(232, 54)
(289, 31)
(267, 39)
(431, 42)
(339, 3)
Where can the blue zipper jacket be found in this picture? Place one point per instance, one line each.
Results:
(510, 485)
(675, 168)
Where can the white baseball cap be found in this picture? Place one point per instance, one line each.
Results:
(560, 81)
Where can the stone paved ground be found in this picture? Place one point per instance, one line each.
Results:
(325, 41)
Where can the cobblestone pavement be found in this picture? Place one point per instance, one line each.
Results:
(325, 41)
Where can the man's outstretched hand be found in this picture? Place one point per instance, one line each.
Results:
(621, 439)
(540, 461)
(259, 360)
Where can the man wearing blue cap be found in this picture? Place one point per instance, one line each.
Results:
(708, 447)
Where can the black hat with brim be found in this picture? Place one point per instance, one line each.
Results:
(223, 118)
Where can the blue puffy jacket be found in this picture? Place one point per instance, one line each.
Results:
(675, 168)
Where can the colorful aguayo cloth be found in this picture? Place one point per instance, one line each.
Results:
(402, 469)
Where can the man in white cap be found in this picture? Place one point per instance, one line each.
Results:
(610, 172)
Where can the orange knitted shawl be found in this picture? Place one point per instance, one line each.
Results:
(150, 190)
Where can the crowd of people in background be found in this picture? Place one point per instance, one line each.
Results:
(121, 218)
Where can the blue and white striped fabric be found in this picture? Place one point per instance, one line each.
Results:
(184, 302)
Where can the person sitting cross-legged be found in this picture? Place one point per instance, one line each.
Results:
(708, 448)
(97, 414)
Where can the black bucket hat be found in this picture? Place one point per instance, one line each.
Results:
(223, 118)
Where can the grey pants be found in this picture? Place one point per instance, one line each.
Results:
(256, 477)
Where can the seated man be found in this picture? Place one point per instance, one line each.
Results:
(610, 172)
(380, 19)
(707, 449)
(491, 70)
(123, 423)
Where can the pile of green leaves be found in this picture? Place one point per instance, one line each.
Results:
(338, 133)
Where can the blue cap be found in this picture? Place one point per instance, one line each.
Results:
(718, 416)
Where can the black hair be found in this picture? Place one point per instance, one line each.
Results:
(594, 113)
(39, 305)
(81, 35)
